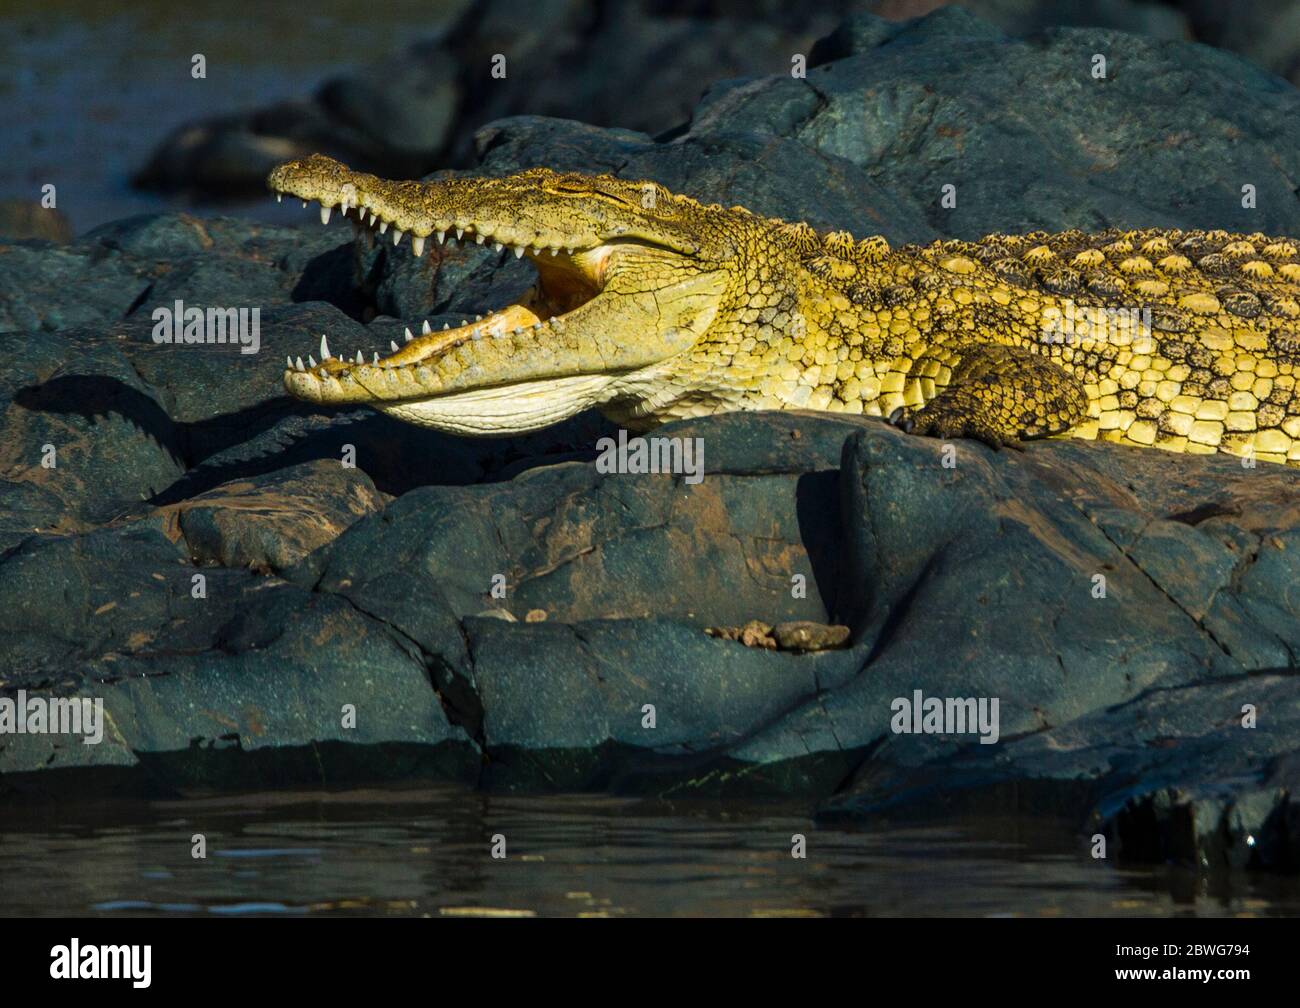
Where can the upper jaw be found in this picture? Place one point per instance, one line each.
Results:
(435, 210)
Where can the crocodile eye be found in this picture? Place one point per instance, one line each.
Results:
(588, 190)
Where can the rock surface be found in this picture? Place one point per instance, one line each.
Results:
(419, 108)
(612, 62)
(181, 541)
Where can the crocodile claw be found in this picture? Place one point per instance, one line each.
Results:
(902, 419)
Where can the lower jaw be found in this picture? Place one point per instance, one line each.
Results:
(507, 409)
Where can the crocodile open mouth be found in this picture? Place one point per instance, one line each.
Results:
(568, 277)
(563, 347)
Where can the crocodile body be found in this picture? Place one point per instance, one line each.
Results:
(653, 307)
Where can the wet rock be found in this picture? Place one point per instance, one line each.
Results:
(1200, 775)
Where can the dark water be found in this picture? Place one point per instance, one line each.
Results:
(426, 853)
(88, 88)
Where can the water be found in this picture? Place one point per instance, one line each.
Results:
(426, 853)
(88, 89)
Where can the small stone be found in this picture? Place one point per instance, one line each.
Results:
(805, 635)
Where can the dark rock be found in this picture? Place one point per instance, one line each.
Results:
(1172, 775)
(85, 438)
(133, 266)
(418, 109)
(1264, 31)
(244, 687)
(273, 522)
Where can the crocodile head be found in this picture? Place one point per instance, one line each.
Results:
(630, 277)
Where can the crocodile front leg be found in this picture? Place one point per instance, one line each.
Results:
(999, 395)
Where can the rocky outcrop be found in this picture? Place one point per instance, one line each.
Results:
(614, 63)
(263, 595)
(419, 109)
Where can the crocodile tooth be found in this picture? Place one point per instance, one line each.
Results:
(477, 334)
(426, 328)
(304, 204)
(324, 214)
(297, 365)
(323, 373)
(360, 359)
(442, 237)
(460, 233)
(478, 318)
(537, 250)
(289, 361)
(497, 247)
(393, 345)
(409, 337)
(373, 217)
(519, 251)
(398, 234)
(555, 251)
(537, 326)
(311, 360)
(479, 239)
(279, 197)
(324, 349)
(568, 250)
(446, 326)
(417, 245)
(383, 225)
(375, 362)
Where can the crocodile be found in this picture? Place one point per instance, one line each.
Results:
(653, 306)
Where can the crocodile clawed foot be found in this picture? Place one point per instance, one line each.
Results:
(902, 419)
(946, 426)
